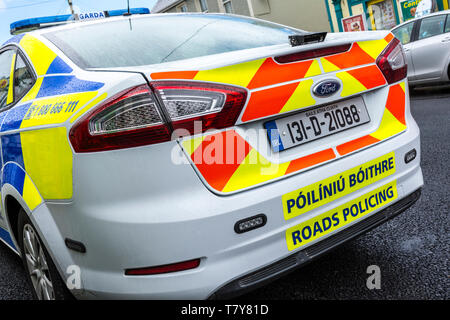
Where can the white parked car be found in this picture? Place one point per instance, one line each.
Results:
(100, 197)
(426, 42)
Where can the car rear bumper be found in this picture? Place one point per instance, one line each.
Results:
(283, 267)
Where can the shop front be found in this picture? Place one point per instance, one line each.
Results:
(360, 15)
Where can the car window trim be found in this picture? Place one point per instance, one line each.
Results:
(3, 50)
(29, 67)
(445, 24)
(420, 24)
(415, 31)
(73, 56)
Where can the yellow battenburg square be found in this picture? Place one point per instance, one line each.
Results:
(48, 161)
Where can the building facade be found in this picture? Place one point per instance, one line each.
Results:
(310, 15)
(352, 15)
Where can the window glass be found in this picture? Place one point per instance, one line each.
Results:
(404, 32)
(203, 6)
(23, 78)
(432, 26)
(5, 72)
(183, 8)
(165, 38)
(228, 7)
(447, 25)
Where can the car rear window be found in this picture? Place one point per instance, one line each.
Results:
(157, 39)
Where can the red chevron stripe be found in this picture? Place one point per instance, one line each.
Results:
(268, 102)
(356, 144)
(188, 75)
(396, 103)
(389, 37)
(310, 160)
(370, 77)
(271, 73)
(220, 154)
(355, 57)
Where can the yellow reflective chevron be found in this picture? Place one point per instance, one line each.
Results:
(301, 97)
(389, 126)
(351, 85)
(10, 97)
(238, 74)
(328, 66)
(313, 70)
(374, 47)
(191, 145)
(254, 170)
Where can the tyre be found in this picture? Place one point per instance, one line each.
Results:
(41, 272)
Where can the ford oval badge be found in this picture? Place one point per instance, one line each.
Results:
(326, 88)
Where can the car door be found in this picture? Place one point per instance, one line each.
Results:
(7, 57)
(430, 51)
(405, 34)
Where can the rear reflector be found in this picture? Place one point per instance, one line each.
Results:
(392, 62)
(311, 54)
(410, 155)
(168, 268)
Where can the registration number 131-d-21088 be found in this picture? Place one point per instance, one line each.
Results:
(316, 123)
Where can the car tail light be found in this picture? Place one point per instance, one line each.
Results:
(392, 62)
(214, 106)
(129, 119)
(134, 117)
(311, 54)
(168, 268)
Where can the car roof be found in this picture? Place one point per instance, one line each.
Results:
(417, 19)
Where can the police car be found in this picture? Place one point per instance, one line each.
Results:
(196, 155)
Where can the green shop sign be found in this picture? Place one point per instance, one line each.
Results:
(409, 8)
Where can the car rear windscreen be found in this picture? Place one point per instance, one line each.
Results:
(157, 39)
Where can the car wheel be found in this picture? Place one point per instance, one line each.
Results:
(41, 272)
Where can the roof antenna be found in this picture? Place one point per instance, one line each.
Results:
(128, 13)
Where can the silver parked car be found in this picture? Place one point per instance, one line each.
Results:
(427, 46)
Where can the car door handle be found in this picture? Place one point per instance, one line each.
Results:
(446, 39)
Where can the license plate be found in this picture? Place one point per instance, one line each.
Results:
(316, 123)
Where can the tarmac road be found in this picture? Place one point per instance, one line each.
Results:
(412, 250)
